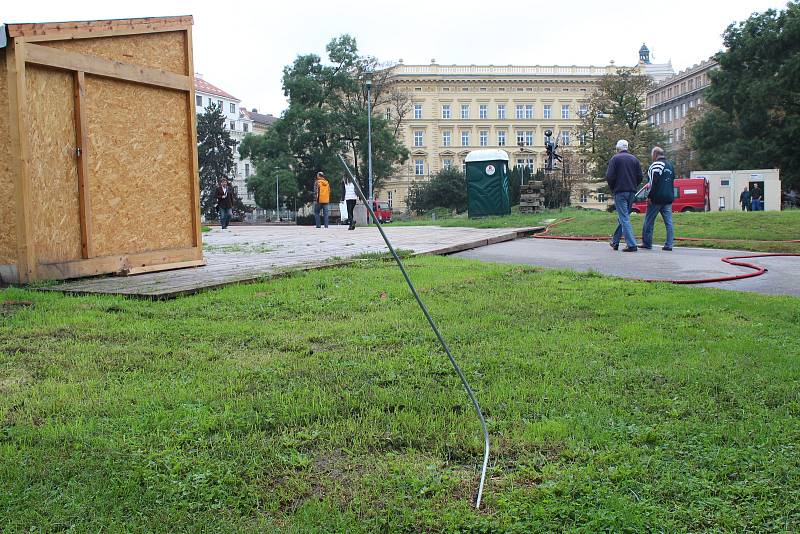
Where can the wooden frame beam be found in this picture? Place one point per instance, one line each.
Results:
(194, 186)
(62, 59)
(20, 154)
(121, 263)
(82, 144)
(53, 31)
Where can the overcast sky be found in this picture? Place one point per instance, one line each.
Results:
(242, 47)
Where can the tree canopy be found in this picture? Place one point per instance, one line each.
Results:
(616, 110)
(752, 117)
(445, 189)
(327, 116)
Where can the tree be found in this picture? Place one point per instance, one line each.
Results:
(753, 103)
(327, 116)
(616, 110)
(214, 155)
(445, 189)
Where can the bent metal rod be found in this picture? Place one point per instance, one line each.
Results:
(464, 382)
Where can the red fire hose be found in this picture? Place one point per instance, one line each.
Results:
(757, 269)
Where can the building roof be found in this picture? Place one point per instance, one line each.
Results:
(708, 64)
(259, 118)
(658, 71)
(204, 87)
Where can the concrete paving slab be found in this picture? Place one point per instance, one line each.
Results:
(246, 253)
(684, 263)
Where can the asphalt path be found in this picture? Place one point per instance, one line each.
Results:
(682, 263)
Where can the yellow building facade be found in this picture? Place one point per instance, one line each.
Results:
(454, 109)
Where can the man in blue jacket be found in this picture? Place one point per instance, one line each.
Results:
(660, 184)
(624, 175)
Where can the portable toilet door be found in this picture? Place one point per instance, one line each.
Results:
(487, 183)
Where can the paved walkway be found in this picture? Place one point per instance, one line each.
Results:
(782, 277)
(245, 253)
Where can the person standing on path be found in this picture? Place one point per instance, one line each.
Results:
(224, 196)
(744, 199)
(350, 198)
(756, 204)
(322, 196)
(624, 175)
(660, 184)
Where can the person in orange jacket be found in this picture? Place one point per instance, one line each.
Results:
(322, 196)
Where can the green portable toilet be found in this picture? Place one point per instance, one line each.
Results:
(487, 183)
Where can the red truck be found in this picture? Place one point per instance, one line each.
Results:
(382, 211)
(691, 194)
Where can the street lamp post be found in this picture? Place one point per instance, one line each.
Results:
(369, 135)
(277, 196)
(521, 145)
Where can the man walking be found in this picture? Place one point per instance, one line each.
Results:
(224, 195)
(623, 176)
(744, 199)
(660, 184)
(322, 196)
(756, 204)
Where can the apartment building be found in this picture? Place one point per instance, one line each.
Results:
(671, 100)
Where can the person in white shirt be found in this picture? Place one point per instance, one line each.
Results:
(350, 198)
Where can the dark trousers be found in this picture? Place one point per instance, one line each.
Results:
(225, 215)
(351, 206)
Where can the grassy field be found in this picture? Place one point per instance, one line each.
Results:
(744, 229)
(320, 402)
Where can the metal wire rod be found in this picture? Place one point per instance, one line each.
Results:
(424, 309)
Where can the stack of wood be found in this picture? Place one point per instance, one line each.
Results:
(531, 197)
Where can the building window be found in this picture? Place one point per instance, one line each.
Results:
(520, 111)
(658, 119)
(446, 111)
(246, 170)
(390, 198)
(684, 109)
(669, 141)
(501, 111)
(417, 111)
(483, 111)
(418, 138)
(669, 115)
(520, 137)
(249, 195)
(584, 197)
(464, 138)
(446, 138)
(527, 164)
(233, 107)
(677, 112)
(546, 111)
(601, 197)
(528, 111)
(464, 111)
(447, 164)
(245, 127)
(233, 126)
(219, 104)
(691, 84)
(564, 137)
(198, 100)
(419, 167)
(388, 114)
(483, 138)
(464, 167)
(583, 110)
(501, 138)
(529, 138)
(565, 111)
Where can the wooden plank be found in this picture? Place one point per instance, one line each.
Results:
(115, 263)
(84, 196)
(20, 156)
(193, 158)
(163, 267)
(95, 28)
(96, 34)
(62, 59)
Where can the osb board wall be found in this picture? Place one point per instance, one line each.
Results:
(138, 156)
(165, 50)
(53, 170)
(8, 212)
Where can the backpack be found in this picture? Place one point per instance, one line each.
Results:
(323, 191)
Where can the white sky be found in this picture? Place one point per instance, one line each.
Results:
(242, 47)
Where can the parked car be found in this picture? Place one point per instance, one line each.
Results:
(691, 194)
(382, 211)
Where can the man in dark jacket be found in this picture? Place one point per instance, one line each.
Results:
(624, 175)
(660, 184)
(744, 199)
(224, 195)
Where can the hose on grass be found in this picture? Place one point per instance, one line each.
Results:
(436, 331)
(731, 260)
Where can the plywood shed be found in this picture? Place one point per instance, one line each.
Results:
(98, 149)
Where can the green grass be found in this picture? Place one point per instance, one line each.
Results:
(205, 229)
(320, 402)
(744, 229)
(246, 248)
